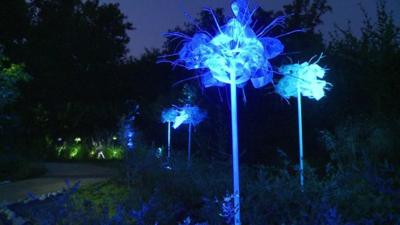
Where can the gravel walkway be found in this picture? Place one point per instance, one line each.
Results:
(54, 180)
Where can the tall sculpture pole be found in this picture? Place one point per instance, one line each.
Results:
(169, 140)
(235, 151)
(300, 123)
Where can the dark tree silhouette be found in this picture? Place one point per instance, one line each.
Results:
(74, 51)
(366, 68)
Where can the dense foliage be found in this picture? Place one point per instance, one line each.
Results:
(357, 188)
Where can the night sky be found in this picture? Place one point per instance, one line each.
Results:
(154, 17)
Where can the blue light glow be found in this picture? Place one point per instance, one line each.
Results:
(128, 131)
(129, 136)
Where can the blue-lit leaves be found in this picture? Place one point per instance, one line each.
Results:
(306, 78)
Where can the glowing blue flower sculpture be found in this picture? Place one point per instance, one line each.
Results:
(302, 80)
(235, 55)
(169, 116)
(191, 115)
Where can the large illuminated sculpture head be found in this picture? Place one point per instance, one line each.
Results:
(236, 53)
(305, 78)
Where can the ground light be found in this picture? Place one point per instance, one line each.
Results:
(302, 80)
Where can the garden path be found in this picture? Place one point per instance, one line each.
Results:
(54, 180)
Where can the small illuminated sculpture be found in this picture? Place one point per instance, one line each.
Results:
(234, 55)
(302, 80)
(191, 115)
(169, 116)
(129, 136)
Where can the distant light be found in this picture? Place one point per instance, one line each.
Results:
(77, 139)
(115, 138)
(129, 134)
(168, 167)
(74, 152)
(130, 144)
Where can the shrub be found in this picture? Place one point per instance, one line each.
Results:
(361, 186)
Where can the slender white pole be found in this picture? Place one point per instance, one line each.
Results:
(300, 121)
(235, 150)
(189, 142)
(169, 140)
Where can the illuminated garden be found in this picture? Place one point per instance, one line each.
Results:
(246, 112)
